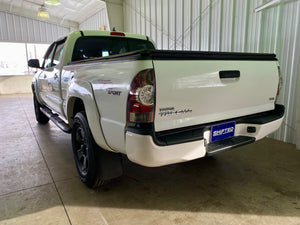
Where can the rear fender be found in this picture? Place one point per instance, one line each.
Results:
(82, 90)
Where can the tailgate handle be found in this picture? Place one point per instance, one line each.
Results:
(229, 74)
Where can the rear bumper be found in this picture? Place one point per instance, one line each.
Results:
(144, 149)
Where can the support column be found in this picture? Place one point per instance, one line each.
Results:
(298, 113)
(115, 14)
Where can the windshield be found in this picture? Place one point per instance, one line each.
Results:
(96, 46)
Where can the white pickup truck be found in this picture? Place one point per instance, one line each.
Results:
(117, 94)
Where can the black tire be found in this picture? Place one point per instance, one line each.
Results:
(40, 117)
(95, 166)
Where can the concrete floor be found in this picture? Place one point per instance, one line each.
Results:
(255, 184)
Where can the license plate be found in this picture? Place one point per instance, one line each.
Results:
(222, 131)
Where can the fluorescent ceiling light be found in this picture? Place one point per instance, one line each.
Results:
(270, 3)
(43, 14)
(52, 2)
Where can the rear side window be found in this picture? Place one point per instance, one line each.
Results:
(54, 54)
(92, 47)
(58, 54)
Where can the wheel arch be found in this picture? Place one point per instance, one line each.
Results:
(81, 98)
(74, 106)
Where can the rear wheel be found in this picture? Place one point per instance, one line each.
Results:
(95, 166)
(40, 117)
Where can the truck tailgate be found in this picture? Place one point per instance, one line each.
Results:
(191, 92)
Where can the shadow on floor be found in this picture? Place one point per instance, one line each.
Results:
(261, 179)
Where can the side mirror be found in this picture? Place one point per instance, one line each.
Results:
(35, 63)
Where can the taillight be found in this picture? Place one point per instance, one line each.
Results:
(279, 82)
(140, 104)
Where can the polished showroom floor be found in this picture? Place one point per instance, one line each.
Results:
(255, 184)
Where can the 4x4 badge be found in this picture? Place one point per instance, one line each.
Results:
(170, 111)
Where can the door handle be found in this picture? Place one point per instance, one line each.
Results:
(229, 74)
(55, 76)
(45, 76)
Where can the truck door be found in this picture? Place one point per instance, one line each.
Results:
(50, 78)
(54, 79)
(44, 87)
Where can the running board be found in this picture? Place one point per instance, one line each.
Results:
(229, 143)
(56, 119)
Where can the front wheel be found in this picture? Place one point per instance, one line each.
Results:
(95, 166)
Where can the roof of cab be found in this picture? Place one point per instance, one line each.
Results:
(107, 33)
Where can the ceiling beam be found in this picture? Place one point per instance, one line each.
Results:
(266, 5)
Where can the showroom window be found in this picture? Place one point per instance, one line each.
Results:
(14, 57)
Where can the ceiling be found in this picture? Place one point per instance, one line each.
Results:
(69, 10)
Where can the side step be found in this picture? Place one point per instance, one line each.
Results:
(229, 143)
(56, 119)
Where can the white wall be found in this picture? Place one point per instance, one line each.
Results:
(14, 28)
(227, 25)
(96, 21)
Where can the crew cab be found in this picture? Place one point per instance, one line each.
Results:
(116, 94)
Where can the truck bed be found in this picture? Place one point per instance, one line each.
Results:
(195, 88)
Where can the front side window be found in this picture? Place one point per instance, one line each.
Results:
(36, 51)
(96, 46)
